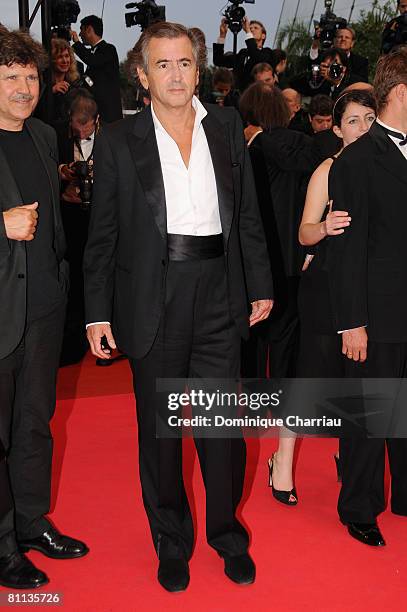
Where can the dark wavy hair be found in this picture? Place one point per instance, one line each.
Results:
(17, 47)
(358, 96)
(265, 106)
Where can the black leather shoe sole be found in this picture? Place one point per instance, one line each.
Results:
(27, 585)
(25, 548)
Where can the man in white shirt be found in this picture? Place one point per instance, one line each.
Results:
(176, 250)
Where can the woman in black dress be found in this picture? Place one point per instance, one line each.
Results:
(319, 353)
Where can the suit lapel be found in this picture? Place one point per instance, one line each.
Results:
(217, 135)
(388, 154)
(49, 162)
(144, 150)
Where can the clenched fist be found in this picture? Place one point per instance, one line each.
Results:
(21, 222)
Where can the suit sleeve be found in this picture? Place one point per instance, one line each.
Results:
(252, 239)
(292, 151)
(347, 252)
(94, 60)
(219, 57)
(99, 259)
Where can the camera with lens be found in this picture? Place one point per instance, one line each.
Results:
(234, 14)
(395, 33)
(335, 71)
(329, 24)
(84, 174)
(147, 13)
(63, 14)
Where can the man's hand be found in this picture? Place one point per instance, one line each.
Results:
(95, 334)
(74, 36)
(20, 222)
(315, 40)
(60, 87)
(246, 24)
(260, 311)
(354, 344)
(250, 131)
(223, 30)
(307, 261)
(66, 172)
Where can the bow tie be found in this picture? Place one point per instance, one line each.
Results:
(398, 135)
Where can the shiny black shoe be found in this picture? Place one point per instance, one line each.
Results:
(367, 533)
(103, 363)
(290, 498)
(240, 569)
(338, 468)
(17, 572)
(173, 574)
(55, 545)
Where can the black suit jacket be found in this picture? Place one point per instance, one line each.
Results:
(367, 264)
(103, 69)
(359, 66)
(126, 258)
(13, 265)
(246, 60)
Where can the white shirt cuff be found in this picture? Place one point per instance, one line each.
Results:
(248, 35)
(97, 323)
(344, 330)
(221, 41)
(313, 54)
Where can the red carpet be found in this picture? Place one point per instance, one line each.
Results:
(305, 559)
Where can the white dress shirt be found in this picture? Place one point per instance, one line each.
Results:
(190, 193)
(86, 147)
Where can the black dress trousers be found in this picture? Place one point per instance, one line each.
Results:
(27, 392)
(362, 459)
(7, 537)
(197, 338)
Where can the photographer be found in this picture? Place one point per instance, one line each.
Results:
(344, 39)
(330, 77)
(320, 114)
(244, 62)
(102, 67)
(76, 140)
(265, 73)
(395, 31)
(223, 92)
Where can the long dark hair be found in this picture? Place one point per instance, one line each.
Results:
(264, 106)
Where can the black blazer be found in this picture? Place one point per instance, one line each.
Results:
(367, 264)
(103, 69)
(246, 60)
(13, 265)
(359, 66)
(126, 258)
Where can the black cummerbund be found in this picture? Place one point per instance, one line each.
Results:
(183, 248)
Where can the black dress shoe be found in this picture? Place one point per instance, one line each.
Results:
(173, 574)
(55, 545)
(17, 572)
(104, 363)
(367, 533)
(240, 569)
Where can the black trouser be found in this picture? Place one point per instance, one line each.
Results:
(362, 459)
(6, 507)
(273, 345)
(27, 394)
(196, 339)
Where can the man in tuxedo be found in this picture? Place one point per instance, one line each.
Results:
(175, 238)
(33, 283)
(102, 67)
(367, 267)
(246, 59)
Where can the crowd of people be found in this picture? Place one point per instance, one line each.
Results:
(250, 234)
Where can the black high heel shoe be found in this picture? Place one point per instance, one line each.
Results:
(338, 468)
(290, 498)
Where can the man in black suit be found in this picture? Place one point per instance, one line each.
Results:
(33, 283)
(175, 238)
(246, 59)
(102, 67)
(367, 268)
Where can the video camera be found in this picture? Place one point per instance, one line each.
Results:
(63, 14)
(395, 33)
(234, 14)
(148, 12)
(84, 173)
(329, 24)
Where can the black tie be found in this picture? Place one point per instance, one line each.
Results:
(398, 135)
